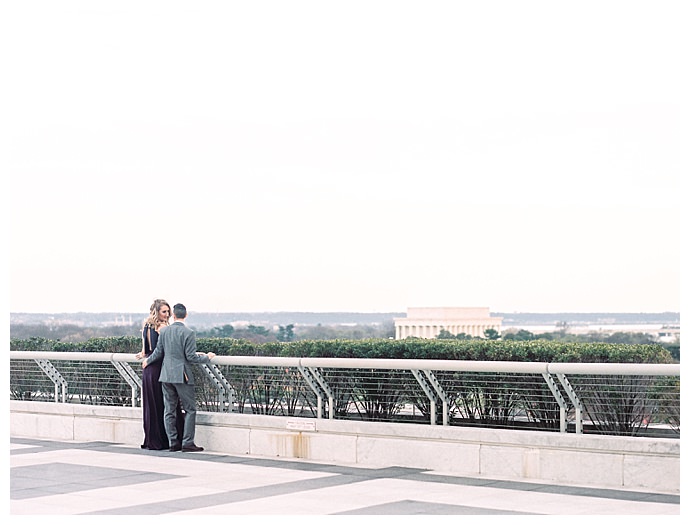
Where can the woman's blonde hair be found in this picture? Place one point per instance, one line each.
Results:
(153, 319)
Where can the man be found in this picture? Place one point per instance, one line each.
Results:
(177, 348)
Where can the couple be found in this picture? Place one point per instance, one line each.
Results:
(176, 347)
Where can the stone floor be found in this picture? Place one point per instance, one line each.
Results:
(71, 478)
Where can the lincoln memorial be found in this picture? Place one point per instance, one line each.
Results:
(427, 322)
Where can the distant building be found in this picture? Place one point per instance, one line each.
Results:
(427, 322)
(668, 334)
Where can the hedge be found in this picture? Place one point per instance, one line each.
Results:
(470, 350)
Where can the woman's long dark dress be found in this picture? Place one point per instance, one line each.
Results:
(155, 437)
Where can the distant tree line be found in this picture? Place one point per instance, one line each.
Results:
(288, 333)
(254, 333)
(71, 333)
(564, 336)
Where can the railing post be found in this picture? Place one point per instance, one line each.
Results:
(429, 393)
(314, 385)
(441, 394)
(54, 376)
(129, 375)
(327, 389)
(559, 399)
(225, 390)
(574, 400)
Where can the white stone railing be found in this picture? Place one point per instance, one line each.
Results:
(625, 398)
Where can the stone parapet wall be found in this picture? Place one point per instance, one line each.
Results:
(636, 463)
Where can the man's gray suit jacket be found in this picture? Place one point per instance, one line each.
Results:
(177, 347)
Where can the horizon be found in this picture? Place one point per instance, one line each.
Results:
(109, 312)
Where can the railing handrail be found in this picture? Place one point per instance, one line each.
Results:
(645, 369)
(73, 356)
(651, 369)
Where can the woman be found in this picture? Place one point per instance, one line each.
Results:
(155, 437)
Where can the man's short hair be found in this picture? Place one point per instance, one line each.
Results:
(179, 311)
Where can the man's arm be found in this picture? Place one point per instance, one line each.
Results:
(190, 351)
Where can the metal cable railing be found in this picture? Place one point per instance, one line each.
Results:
(604, 398)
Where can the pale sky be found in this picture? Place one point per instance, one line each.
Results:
(344, 156)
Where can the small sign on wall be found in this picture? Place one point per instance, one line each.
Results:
(296, 424)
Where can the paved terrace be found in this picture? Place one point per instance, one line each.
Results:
(69, 478)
